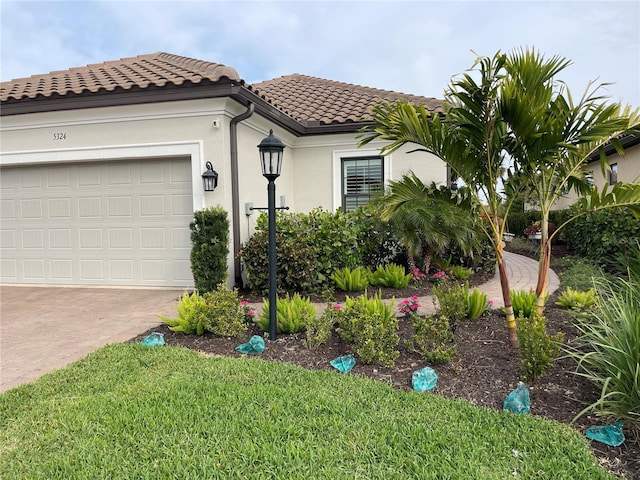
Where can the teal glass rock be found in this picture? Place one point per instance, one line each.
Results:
(343, 364)
(424, 379)
(608, 434)
(154, 339)
(254, 346)
(518, 400)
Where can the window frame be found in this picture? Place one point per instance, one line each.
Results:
(613, 174)
(340, 155)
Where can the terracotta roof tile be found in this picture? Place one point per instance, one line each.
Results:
(307, 100)
(157, 69)
(313, 99)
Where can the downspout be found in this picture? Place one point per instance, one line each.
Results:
(235, 190)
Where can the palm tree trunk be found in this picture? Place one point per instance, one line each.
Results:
(411, 262)
(506, 297)
(543, 275)
(543, 265)
(426, 260)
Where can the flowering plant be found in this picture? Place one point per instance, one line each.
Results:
(409, 306)
(417, 276)
(536, 227)
(247, 311)
(442, 276)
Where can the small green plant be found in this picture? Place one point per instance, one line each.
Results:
(432, 339)
(538, 350)
(523, 302)
(225, 314)
(319, 327)
(192, 315)
(349, 280)
(477, 303)
(609, 352)
(461, 273)
(452, 300)
(292, 314)
(580, 274)
(391, 275)
(576, 300)
(369, 323)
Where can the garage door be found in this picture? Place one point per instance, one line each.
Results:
(106, 223)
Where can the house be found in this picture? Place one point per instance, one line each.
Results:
(624, 168)
(101, 166)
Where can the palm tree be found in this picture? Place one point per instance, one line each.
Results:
(470, 138)
(552, 138)
(428, 219)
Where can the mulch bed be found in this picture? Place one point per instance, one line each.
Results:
(484, 371)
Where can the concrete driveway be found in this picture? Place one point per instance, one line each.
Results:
(45, 328)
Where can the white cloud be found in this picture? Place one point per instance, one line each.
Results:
(409, 46)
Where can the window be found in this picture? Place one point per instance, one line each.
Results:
(362, 177)
(613, 174)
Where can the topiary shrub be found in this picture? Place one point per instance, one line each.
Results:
(210, 248)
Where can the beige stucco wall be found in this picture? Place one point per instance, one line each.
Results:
(199, 129)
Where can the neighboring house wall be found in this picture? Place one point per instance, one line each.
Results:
(628, 171)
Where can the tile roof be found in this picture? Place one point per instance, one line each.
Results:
(310, 101)
(157, 69)
(316, 100)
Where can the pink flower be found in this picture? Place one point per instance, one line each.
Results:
(338, 307)
(251, 313)
(244, 302)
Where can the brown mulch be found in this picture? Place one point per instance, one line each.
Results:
(484, 370)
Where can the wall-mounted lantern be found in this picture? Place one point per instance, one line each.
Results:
(210, 178)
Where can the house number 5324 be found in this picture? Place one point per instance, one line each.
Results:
(60, 136)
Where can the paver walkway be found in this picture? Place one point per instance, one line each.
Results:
(45, 328)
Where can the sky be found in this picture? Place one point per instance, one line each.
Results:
(412, 47)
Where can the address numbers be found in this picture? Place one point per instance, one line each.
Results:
(60, 136)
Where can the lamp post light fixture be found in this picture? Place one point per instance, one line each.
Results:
(210, 178)
(271, 150)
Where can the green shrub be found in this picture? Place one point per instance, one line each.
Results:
(537, 349)
(577, 300)
(518, 221)
(310, 249)
(432, 339)
(580, 274)
(293, 314)
(192, 315)
(482, 259)
(370, 325)
(603, 234)
(523, 302)
(460, 272)
(349, 280)
(225, 316)
(377, 242)
(609, 351)
(209, 250)
(452, 300)
(319, 327)
(477, 303)
(391, 275)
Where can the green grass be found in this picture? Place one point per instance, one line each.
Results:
(128, 411)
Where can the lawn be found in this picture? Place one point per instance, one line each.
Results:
(128, 411)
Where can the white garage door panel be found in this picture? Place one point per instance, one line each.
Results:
(110, 223)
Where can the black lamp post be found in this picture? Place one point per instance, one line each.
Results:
(271, 158)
